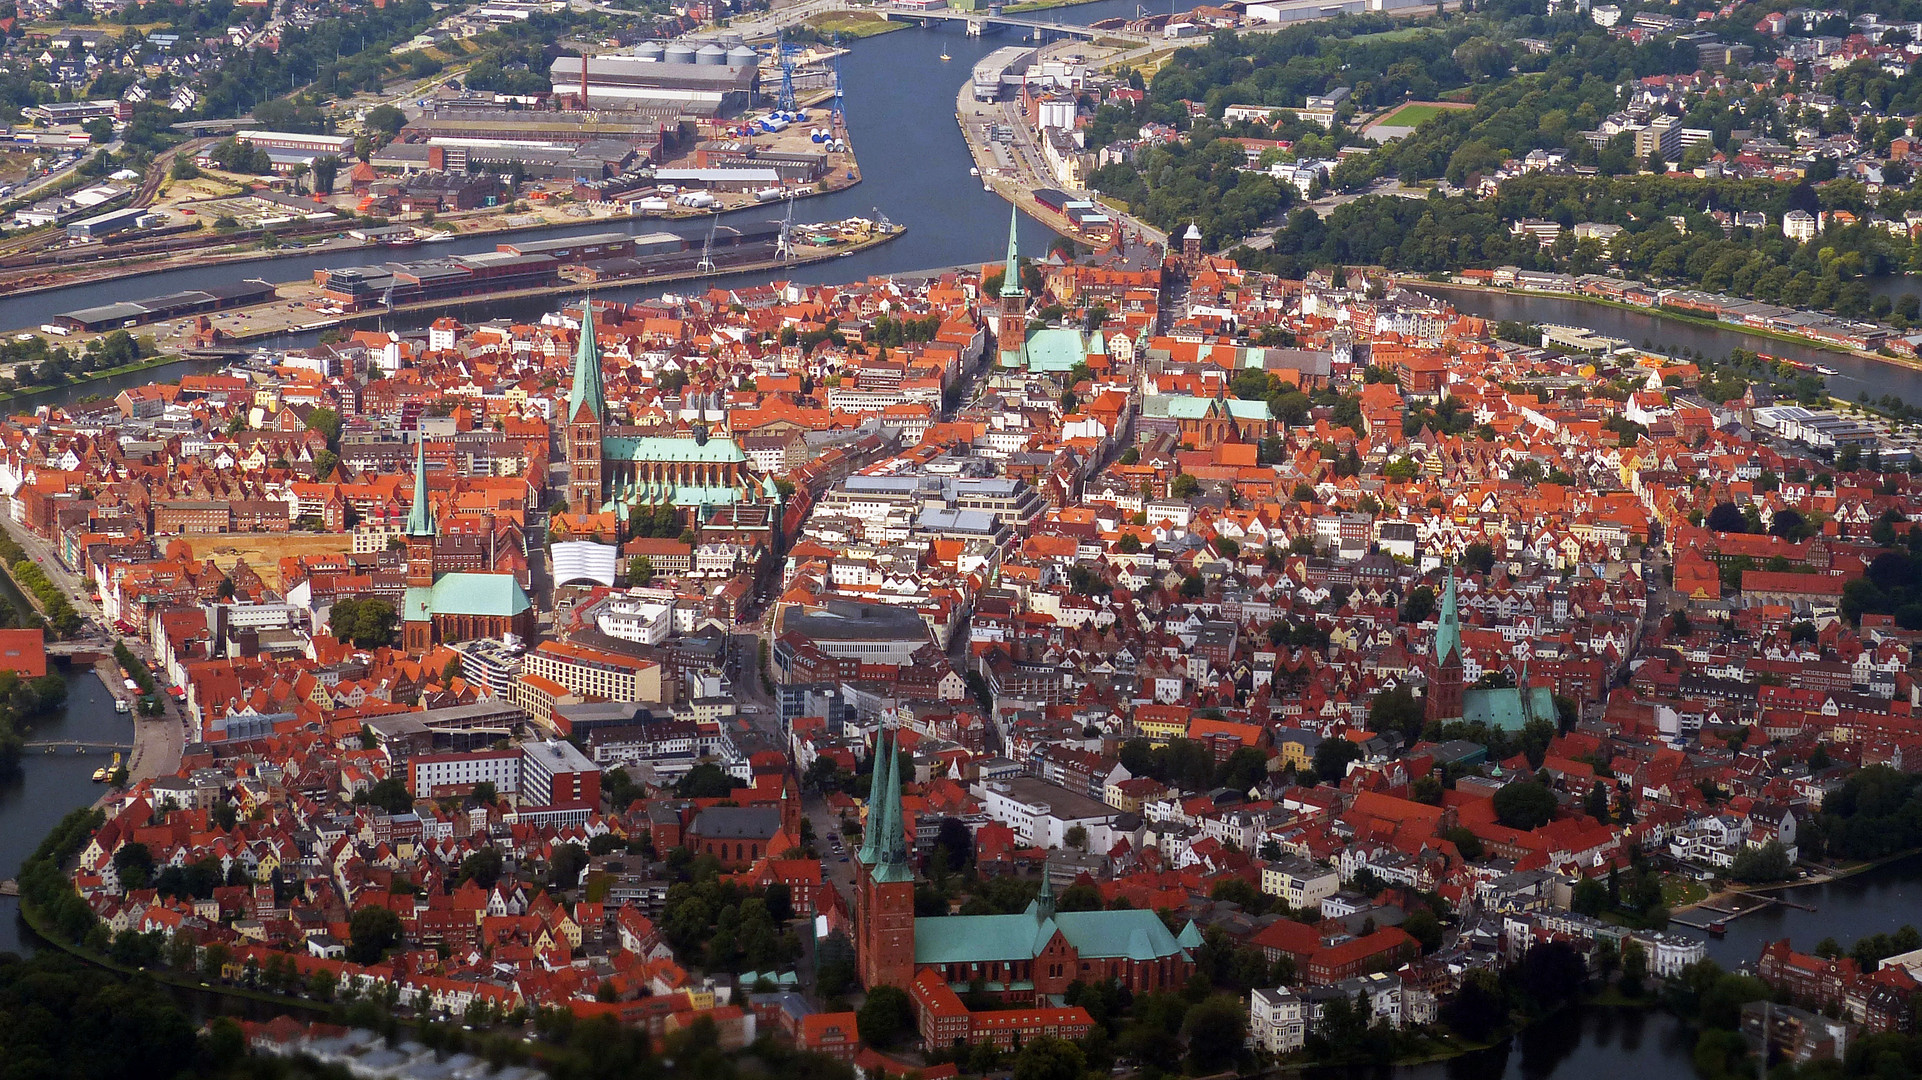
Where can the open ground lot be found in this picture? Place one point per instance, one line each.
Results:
(263, 551)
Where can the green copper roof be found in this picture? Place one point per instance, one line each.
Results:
(1011, 270)
(1448, 627)
(672, 448)
(587, 391)
(1191, 407)
(891, 847)
(960, 939)
(466, 594)
(869, 851)
(420, 518)
(1055, 349)
(1508, 708)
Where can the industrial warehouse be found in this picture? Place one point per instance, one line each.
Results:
(538, 263)
(128, 313)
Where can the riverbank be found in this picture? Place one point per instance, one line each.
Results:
(1913, 364)
(972, 117)
(1734, 890)
(157, 360)
(290, 314)
(37, 922)
(141, 268)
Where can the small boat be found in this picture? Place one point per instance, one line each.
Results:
(1828, 371)
(974, 172)
(988, 188)
(1717, 928)
(120, 705)
(100, 775)
(945, 57)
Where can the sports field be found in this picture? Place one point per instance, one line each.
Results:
(1417, 113)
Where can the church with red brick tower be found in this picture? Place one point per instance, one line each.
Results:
(884, 880)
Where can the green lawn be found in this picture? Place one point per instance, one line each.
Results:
(1415, 114)
(1680, 892)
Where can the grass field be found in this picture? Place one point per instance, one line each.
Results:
(1417, 113)
(855, 24)
(263, 551)
(1679, 891)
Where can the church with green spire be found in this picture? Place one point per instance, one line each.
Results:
(1024, 959)
(620, 470)
(1050, 350)
(441, 607)
(1507, 708)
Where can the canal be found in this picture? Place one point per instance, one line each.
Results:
(1854, 374)
(50, 785)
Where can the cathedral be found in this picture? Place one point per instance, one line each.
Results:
(441, 606)
(1508, 708)
(619, 470)
(1025, 959)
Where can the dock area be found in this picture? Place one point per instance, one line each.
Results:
(1713, 915)
(298, 304)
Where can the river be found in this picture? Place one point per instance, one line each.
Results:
(50, 785)
(1854, 374)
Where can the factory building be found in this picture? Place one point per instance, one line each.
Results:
(171, 306)
(699, 82)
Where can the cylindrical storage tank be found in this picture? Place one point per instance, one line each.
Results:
(710, 56)
(742, 56)
(650, 50)
(679, 52)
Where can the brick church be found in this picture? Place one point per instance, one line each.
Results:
(1024, 959)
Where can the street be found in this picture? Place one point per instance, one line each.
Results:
(158, 740)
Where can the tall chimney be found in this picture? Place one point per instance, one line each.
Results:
(583, 80)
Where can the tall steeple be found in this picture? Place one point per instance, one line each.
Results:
(1448, 627)
(420, 518)
(420, 547)
(1011, 270)
(586, 390)
(1044, 900)
(891, 847)
(870, 850)
(586, 414)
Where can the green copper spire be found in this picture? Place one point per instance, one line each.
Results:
(870, 851)
(1011, 271)
(1044, 901)
(891, 846)
(420, 519)
(587, 391)
(1448, 627)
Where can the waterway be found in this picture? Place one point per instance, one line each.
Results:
(914, 164)
(50, 785)
(1854, 374)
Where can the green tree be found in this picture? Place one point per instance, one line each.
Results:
(1215, 1030)
(371, 933)
(1048, 1058)
(886, 1017)
(1524, 804)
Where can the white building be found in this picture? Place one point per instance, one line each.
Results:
(1042, 814)
(1274, 1021)
(1801, 226)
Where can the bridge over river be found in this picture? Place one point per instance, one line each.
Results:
(978, 21)
(54, 746)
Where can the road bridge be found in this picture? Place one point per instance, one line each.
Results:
(978, 21)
